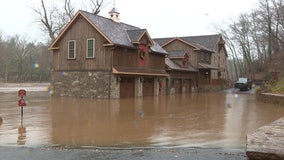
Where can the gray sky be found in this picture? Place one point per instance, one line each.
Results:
(162, 18)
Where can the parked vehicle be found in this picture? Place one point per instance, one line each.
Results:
(244, 84)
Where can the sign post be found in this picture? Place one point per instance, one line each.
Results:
(22, 93)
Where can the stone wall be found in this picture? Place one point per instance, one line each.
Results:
(267, 142)
(277, 99)
(97, 84)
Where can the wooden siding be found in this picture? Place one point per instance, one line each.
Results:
(178, 45)
(185, 75)
(124, 57)
(80, 31)
(205, 57)
(214, 82)
(145, 39)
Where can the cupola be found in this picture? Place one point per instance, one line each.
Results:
(114, 15)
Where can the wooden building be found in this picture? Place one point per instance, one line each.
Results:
(205, 56)
(102, 57)
(183, 76)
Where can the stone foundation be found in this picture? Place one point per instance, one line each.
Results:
(85, 84)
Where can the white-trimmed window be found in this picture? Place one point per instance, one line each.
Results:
(71, 49)
(90, 48)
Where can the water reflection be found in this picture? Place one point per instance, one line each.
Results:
(204, 119)
(22, 134)
(31, 129)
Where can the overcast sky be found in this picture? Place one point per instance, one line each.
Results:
(162, 18)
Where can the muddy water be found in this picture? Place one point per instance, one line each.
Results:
(204, 120)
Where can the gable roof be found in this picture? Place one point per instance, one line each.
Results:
(207, 66)
(177, 54)
(136, 35)
(204, 42)
(208, 41)
(188, 43)
(115, 33)
(173, 66)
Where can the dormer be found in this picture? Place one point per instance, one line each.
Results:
(114, 15)
(140, 36)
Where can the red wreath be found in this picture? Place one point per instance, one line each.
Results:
(185, 60)
(142, 51)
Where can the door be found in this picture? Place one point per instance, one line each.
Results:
(127, 87)
(177, 83)
(187, 86)
(148, 87)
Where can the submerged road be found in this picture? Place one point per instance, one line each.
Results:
(192, 126)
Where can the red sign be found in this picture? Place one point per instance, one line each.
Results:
(22, 93)
(22, 102)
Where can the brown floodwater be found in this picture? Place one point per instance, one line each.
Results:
(221, 119)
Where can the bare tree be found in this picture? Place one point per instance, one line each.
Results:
(254, 38)
(232, 52)
(241, 35)
(96, 6)
(69, 9)
(22, 61)
(53, 19)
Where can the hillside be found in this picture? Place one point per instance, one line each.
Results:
(277, 86)
(276, 66)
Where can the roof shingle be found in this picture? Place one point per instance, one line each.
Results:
(206, 42)
(119, 33)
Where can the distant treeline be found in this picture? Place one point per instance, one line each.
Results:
(23, 61)
(255, 39)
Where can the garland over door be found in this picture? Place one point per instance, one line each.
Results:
(127, 87)
(148, 87)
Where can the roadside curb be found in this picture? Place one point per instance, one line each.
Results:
(266, 143)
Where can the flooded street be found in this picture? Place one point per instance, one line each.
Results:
(208, 120)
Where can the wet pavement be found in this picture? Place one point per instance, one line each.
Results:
(25, 153)
(206, 120)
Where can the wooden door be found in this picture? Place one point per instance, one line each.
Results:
(148, 87)
(127, 87)
(177, 83)
(187, 86)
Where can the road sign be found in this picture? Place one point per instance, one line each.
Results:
(22, 102)
(22, 93)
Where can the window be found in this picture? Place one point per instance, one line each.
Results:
(90, 48)
(72, 49)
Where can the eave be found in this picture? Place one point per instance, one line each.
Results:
(78, 14)
(179, 39)
(54, 48)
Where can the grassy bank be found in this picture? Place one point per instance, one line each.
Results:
(277, 86)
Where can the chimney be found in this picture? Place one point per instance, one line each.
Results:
(114, 15)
